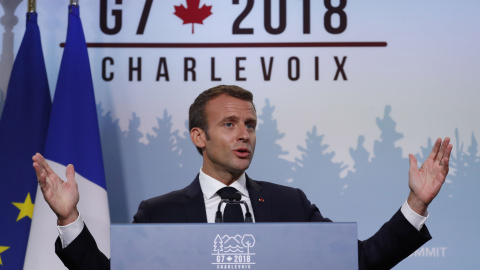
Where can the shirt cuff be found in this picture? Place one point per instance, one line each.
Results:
(415, 219)
(69, 232)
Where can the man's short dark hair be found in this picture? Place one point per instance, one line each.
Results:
(197, 117)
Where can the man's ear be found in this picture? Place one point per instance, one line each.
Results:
(198, 137)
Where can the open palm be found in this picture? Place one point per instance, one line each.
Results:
(61, 196)
(425, 183)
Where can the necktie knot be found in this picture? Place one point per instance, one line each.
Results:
(229, 193)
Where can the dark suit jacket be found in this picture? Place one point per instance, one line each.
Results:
(395, 240)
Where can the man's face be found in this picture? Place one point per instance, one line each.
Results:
(229, 148)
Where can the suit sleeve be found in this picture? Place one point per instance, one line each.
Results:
(395, 240)
(142, 215)
(82, 253)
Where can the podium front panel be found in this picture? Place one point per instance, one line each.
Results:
(234, 246)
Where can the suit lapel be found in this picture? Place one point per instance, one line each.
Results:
(195, 204)
(260, 201)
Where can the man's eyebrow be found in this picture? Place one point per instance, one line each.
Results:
(252, 120)
(233, 118)
(230, 118)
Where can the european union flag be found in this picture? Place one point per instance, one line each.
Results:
(23, 129)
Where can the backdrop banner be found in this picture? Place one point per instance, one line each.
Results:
(344, 91)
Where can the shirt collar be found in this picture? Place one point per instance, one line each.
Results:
(210, 185)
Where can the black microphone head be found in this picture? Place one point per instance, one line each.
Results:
(236, 196)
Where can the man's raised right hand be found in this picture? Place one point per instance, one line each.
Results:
(61, 196)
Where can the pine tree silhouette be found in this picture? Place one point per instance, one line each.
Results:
(136, 171)
(456, 160)
(465, 177)
(131, 163)
(133, 135)
(162, 158)
(377, 191)
(111, 137)
(385, 152)
(315, 172)
(267, 152)
(458, 168)
(471, 158)
(361, 157)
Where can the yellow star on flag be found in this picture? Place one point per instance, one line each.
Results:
(26, 208)
(2, 249)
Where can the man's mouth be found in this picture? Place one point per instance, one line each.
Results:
(242, 152)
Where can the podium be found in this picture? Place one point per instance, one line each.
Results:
(234, 246)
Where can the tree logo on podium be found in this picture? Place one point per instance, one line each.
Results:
(233, 251)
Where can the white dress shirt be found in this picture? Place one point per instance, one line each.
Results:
(210, 186)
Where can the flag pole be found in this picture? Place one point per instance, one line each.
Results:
(32, 6)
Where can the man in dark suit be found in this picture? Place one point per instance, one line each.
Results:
(222, 123)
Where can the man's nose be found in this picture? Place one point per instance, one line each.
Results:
(243, 133)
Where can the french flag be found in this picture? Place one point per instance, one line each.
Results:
(73, 138)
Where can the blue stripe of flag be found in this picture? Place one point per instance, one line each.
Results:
(73, 134)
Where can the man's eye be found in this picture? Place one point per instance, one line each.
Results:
(250, 126)
(228, 124)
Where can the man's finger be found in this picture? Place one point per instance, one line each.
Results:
(413, 162)
(43, 162)
(445, 164)
(441, 153)
(36, 165)
(435, 149)
(39, 171)
(46, 169)
(70, 173)
(448, 149)
(446, 159)
(42, 181)
(38, 160)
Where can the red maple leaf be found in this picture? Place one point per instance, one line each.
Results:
(193, 13)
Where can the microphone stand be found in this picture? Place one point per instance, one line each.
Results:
(219, 217)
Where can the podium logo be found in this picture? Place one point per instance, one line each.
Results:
(233, 252)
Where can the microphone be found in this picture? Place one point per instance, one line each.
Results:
(248, 216)
(218, 215)
(233, 199)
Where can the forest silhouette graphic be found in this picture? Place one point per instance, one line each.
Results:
(379, 179)
(171, 162)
